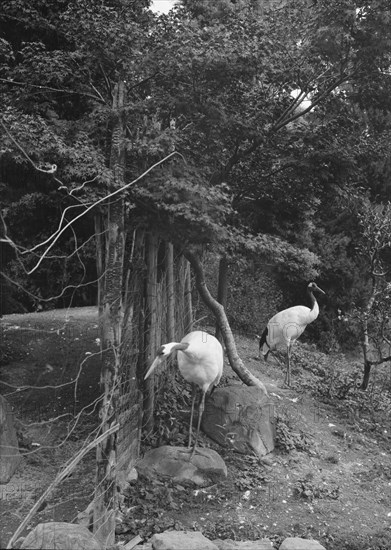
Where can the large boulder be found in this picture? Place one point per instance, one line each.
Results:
(229, 544)
(205, 468)
(297, 543)
(9, 450)
(181, 540)
(240, 417)
(62, 536)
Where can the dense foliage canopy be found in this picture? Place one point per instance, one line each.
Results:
(280, 112)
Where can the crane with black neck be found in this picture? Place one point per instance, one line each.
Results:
(284, 328)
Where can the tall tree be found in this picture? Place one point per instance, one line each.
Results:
(374, 248)
(111, 330)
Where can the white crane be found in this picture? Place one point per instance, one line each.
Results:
(200, 361)
(287, 326)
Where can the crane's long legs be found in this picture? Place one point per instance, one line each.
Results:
(264, 356)
(288, 368)
(201, 408)
(193, 396)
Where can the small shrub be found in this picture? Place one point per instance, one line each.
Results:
(308, 489)
(288, 439)
(333, 459)
(376, 541)
(249, 476)
(336, 379)
(173, 399)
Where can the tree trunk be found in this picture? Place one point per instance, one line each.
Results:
(367, 372)
(218, 310)
(111, 336)
(150, 328)
(187, 300)
(365, 349)
(100, 260)
(170, 292)
(365, 342)
(222, 291)
(180, 297)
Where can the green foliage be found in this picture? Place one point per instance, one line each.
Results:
(375, 239)
(291, 261)
(173, 397)
(249, 476)
(289, 438)
(374, 541)
(253, 294)
(152, 508)
(43, 144)
(221, 529)
(253, 297)
(309, 490)
(183, 207)
(335, 378)
(214, 82)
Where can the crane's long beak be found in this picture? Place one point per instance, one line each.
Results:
(320, 290)
(158, 359)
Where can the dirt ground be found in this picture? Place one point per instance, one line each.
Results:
(41, 352)
(336, 488)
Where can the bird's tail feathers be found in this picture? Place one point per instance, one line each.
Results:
(262, 339)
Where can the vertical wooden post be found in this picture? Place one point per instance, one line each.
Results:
(100, 259)
(150, 327)
(180, 298)
(111, 334)
(188, 300)
(170, 292)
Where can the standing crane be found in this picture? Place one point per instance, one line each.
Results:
(287, 326)
(200, 361)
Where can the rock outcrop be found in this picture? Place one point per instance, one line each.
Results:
(179, 540)
(297, 543)
(195, 540)
(62, 536)
(205, 468)
(240, 417)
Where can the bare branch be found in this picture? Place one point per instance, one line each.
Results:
(316, 101)
(18, 389)
(102, 199)
(292, 106)
(62, 186)
(29, 250)
(98, 97)
(381, 360)
(52, 298)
